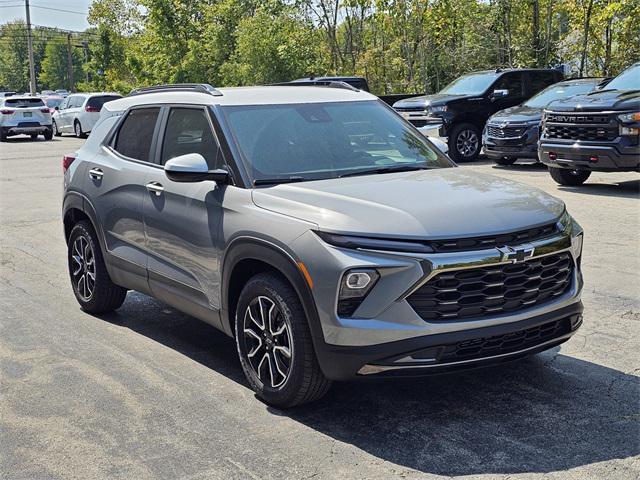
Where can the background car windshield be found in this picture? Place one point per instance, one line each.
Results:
(24, 102)
(474, 84)
(54, 102)
(317, 141)
(627, 80)
(556, 92)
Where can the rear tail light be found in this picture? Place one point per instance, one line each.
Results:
(46, 110)
(67, 160)
(52, 111)
(91, 109)
(7, 112)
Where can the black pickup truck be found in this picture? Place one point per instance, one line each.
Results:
(599, 131)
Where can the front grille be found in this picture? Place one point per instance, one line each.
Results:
(28, 124)
(582, 127)
(418, 123)
(503, 344)
(506, 132)
(492, 241)
(472, 293)
(410, 109)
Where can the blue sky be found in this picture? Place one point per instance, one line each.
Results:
(73, 19)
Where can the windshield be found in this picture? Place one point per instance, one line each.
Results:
(473, 84)
(559, 91)
(326, 140)
(23, 102)
(627, 80)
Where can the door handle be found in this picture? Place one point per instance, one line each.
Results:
(96, 173)
(155, 187)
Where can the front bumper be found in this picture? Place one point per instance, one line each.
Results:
(618, 156)
(525, 146)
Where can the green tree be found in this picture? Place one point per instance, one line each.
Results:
(55, 72)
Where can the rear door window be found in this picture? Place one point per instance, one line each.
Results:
(512, 82)
(541, 80)
(188, 131)
(136, 133)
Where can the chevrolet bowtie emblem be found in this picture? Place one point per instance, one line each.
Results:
(515, 255)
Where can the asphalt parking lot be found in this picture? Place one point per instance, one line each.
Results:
(149, 393)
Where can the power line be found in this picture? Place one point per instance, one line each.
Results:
(60, 10)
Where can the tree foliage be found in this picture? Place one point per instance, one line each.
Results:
(399, 45)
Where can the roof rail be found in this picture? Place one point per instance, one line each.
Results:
(317, 83)
(177, 87)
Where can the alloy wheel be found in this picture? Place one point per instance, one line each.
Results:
(83, 267)
(467, 143)
(269, 343)
(78, 130)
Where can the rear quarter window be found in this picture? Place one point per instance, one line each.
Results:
(135, 134)
(541, 80)
(98, 102)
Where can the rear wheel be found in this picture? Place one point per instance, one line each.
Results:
(3, 135)
(48, 135)
(34, 136)
(93, 288)
(274, 344)
(464, 142)
(565, 176)
(56, 132)
(506, 161)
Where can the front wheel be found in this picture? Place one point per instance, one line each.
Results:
(464, 142)
(274, 343)
(56, 132)
(565, 176)
(92, 286)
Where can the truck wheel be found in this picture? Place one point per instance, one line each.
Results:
(274, 344)
(48, 135)
(564, 176)
(464, 142)
(506, 161)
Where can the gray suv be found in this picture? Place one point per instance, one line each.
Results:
(320, 230)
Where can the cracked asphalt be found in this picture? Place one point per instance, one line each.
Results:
(149, 393)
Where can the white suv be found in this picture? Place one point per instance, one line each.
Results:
(79, 112)
(24, 115)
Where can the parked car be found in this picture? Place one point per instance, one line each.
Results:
(461, 109)
(52, 102)
(62, 92)
(79, 112)
(7, 94)
(309, 224)
(24, 115)
(356, 82)
(47, 93)
(513, 133)
(597, 131)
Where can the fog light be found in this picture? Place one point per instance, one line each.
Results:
(357, 280)
(354, 287)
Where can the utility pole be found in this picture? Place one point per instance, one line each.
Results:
(69, 62)
(32, 68)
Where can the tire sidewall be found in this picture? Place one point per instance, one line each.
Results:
(77, 129)
(78, 230)
(276, 291)
(453, 143)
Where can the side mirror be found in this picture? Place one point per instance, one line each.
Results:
(56, 108)
(499, 94)
(192, 167)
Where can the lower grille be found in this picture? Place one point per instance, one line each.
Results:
(503, 344)
(418, 123)
(477, 292)
(505, 132)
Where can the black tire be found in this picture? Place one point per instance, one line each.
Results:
(303, 380)
(565, 176)
(464, 142)
(48, 135)
(56, 132)
(105, 296)
(34, 136)
(3, 135)
(505, 161)
(77, 129)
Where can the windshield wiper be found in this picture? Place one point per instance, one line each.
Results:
(275, 181)
(374, 171)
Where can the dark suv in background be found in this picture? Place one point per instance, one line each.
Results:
(599, 131)
(513, 133)
(462, 108)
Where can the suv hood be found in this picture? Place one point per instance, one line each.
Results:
(517, 114)
(598, 101)
(439, 203)
(428, 100)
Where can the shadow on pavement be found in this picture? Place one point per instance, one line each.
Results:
(628, 189)
(543, 414)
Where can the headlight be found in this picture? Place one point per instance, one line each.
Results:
(629, 117)
(354, 287)
(533, 122)
(437, 109)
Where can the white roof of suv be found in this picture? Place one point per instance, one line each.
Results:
(263, 95)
